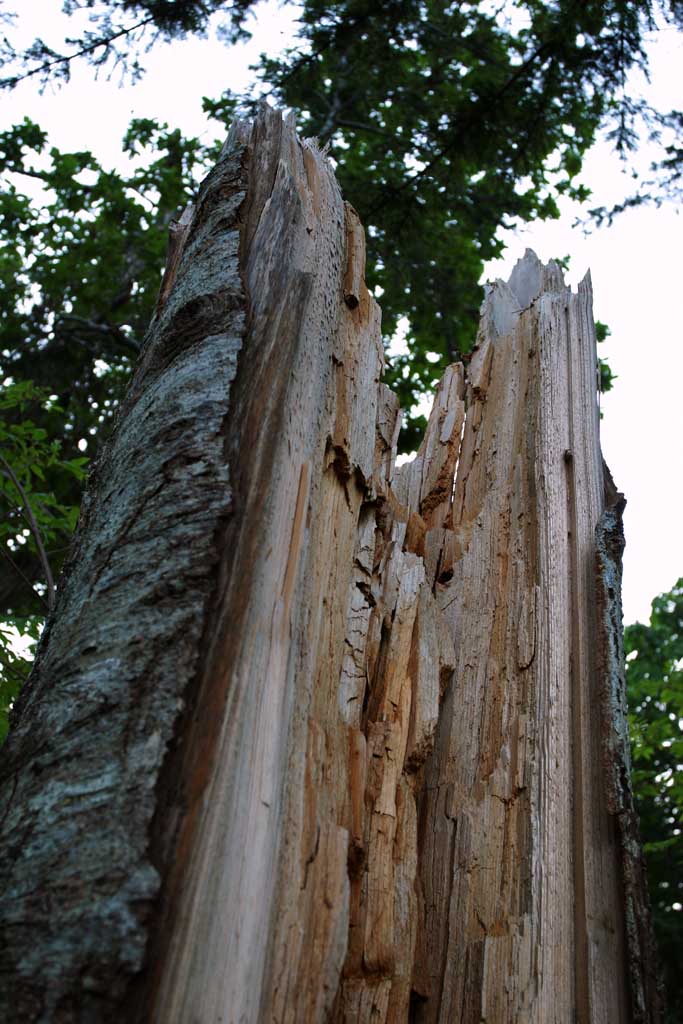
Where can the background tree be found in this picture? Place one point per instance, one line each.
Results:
(33, 519)
(72, 322)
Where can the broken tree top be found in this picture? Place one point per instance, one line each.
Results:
(529, 279)
(311, 737)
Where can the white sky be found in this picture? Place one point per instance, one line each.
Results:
(635, 264)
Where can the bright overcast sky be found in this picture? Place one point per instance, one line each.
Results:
(635, 265)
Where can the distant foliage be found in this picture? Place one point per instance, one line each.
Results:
(655, 691)
(605, 375)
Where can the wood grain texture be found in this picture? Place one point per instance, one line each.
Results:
(311, 738)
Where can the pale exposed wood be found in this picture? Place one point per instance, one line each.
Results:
(517, 844)
(264, 843)
(348, 765)
(355, 257)
(425, 484)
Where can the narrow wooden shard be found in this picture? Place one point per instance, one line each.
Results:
(642, 956)
(329, 727)
(355, 257)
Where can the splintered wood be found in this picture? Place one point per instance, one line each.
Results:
(435, 840)
(365, 753)
(405, 816)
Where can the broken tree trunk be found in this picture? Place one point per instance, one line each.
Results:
(311, 737)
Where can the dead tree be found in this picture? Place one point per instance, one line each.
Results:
(311, 737)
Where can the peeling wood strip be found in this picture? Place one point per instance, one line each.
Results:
(295, 543)
(177, 236)
(355, 258)
(582, 986)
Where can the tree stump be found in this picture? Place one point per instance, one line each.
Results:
(311, 737)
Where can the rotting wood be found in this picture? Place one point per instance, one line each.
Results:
(310, 737)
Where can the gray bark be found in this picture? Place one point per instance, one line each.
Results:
(94, 723)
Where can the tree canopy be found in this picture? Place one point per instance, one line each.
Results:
(446, 123)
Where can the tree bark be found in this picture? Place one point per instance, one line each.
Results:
(311, 737)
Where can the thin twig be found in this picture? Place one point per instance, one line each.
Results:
(67, 58)
(23, 575)
(359, 126)
(35, 530)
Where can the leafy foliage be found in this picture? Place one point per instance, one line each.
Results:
(655, 690)
(17, 647)
(605, 375)
(32, 520)
(80, 267)
(446, 121)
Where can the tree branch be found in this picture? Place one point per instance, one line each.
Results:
(106, 41)
(35, 530)
(20, 572)
(96, 327)
(342, 122)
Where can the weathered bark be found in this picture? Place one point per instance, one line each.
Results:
(311, 737)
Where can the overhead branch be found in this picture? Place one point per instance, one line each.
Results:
(61, 59)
